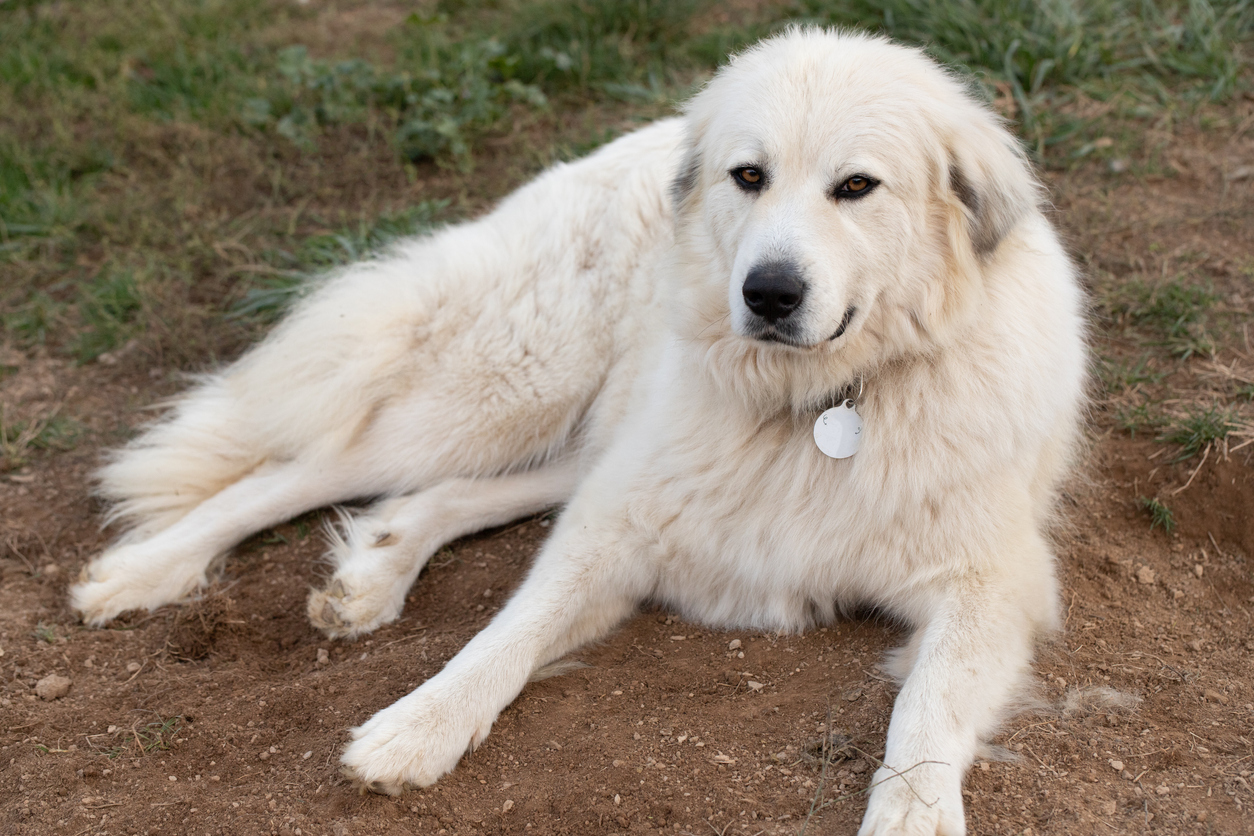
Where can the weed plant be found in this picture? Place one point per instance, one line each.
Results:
(1160, 515)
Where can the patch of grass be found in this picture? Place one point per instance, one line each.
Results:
(58, 433)
(109, 309)
(1138, 418)
(1160, 515)
(46, 633)
(30, 322)
(1101, 47)
(297, 270)
(1119, 376)
(1175, 313)
(157, 736)
(446, 93)
(49, 432)
(624, 48)
(1198, 428)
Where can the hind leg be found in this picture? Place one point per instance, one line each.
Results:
(167, 566)
(382, 551)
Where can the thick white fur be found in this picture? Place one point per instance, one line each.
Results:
(589, 340)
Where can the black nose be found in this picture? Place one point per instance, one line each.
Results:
(774, 289)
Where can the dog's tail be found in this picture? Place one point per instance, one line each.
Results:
(195, 450)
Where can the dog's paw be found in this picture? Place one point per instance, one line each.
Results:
(922, 802)
(342, 611)
(130, 578)
(413, 742)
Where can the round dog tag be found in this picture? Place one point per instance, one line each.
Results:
(838, 431)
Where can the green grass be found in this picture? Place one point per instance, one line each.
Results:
(50, 432)
(1119, 376)
(1160, 515)
(1175, 314)
(1200, 427)
(1139, 418)
(46, 633)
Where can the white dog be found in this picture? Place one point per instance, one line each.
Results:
(651, 335)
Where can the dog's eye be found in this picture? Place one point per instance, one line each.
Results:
(748, 177)
(856, 186)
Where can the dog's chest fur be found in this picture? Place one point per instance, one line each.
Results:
(826, 542)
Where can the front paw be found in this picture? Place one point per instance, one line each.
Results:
(414, 741)
(132, 577)
(923, 801)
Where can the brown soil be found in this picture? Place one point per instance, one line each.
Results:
(218, 717)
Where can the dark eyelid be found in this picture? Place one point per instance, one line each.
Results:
(840, 191)
(736, 172)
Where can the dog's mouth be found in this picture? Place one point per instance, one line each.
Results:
(771, 334)
(783, 334)
(850, 313)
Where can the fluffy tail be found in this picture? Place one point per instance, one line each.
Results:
(198, 448)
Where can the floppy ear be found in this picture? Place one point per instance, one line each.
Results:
(685, 182)
(990, 176)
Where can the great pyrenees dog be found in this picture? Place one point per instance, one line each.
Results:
(810, 347)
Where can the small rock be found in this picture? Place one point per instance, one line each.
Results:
(52, 571)
(1145, 575)
(1117, 166)
(617, 799)
(678, 638)
(307, 755)
(507, 806)
(1116, 765)
(734, 644)
(1162, 789)
(854, 695)
(324, 658)
(859, 766)
(1212, 695)
(132, 667)
(755, 686)
(1195, 645)
(1198, 570)
(53, 687)
(1202, 816)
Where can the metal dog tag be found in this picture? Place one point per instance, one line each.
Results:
(838, 431)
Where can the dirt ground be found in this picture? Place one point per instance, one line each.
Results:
(226, 716)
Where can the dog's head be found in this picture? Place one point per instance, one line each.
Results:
(839, 202)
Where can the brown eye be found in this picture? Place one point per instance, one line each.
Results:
(748, 177)
(856, 186)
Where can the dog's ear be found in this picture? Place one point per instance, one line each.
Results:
(991, 179)
(685, 182)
